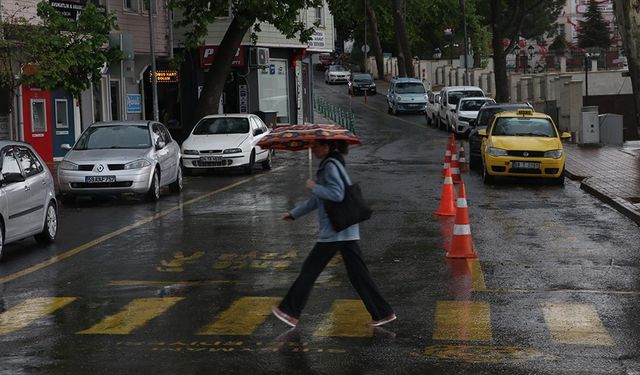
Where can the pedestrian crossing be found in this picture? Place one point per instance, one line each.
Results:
(454, 321)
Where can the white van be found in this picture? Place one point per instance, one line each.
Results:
(449, 98)
(406, 95)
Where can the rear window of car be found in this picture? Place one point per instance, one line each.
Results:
(111, 137)
(485, 115)
(221, 125)
(472, 105)
(524, 127)
(410, 88)
(362, 78)
(455, 96)
(337, 68)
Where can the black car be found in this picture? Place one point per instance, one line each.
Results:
(359, 83)
(485, 116)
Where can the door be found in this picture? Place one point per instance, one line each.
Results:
(35, 186)
(173, 150)
(63, 122)
(37, 121)
(257, 126)
(162, 155)
(17, 220)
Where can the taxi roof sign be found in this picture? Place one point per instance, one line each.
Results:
(524, 112)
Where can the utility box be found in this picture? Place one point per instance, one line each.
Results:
(589, 131)
(611, 129)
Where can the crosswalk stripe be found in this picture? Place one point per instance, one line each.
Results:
(462, 321)
(348, 318)
(242, 318)
(22, 315)
(134, 315)
(576, 324)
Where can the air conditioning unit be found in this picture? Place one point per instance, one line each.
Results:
(260, 56)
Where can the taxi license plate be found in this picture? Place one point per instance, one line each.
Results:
(211, 158)
(99, 179)
(525, 165)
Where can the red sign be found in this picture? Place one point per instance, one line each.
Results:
(208, 55)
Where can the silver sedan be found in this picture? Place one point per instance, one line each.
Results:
(28, 204)
(121, 157)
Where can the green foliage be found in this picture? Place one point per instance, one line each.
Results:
(559, 44)
(593, 32)
(69, 54)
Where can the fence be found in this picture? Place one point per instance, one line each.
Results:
(342, 117)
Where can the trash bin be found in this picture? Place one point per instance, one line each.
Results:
(269, 117)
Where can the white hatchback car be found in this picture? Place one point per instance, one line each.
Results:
(466, 112)
(226, 141)
(28, 204)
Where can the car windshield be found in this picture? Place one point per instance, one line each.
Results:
(472, 105)
(524, 127)
(486, 114)
(362, 78)
(337, 68)
(455, 96)
(114, 136)
(222, 125)
(410, 88)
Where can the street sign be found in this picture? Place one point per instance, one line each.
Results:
(365, 48)
(134, 103)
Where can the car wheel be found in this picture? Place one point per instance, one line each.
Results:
(50, 227)
(486, 177)
(388, 108)
(154, 190)
(428, 120)
(266, 164)
(248, 169)
(394, 110)
(176, 186)
(1, 239)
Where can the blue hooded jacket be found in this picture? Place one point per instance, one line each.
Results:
(329, 186)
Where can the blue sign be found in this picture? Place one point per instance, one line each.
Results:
(272, 69)
(134, 103)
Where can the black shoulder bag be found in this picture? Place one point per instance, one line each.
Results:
(352, 210)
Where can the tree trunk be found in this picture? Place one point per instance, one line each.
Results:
(402, 68)
(375, 40)
(402, 37)
(499, 58)
(628, 25)
(215, 78)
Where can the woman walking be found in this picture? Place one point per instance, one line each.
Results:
(330, 185)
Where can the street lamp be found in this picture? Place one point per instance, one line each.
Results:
(531, 51)
(437, 53)
(448, 33)
(516, 53)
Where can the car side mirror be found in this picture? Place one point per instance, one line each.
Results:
(454, 110)
(482, 133)
(565, 135)
(9, 178)
(160, 144)
(65, 146)
(257, 132)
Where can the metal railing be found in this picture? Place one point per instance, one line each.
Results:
(342, 117)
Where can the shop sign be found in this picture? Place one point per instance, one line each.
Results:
(134, 103)
(71, 9)
(243, 92)
(208, 56)
(165, 76)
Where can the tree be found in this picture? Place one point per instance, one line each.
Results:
(509, 20)
(57, 52)
(628, 19)
(404, 49)
(593, 31)
(197, 15)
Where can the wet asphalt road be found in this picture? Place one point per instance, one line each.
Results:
(185, 285)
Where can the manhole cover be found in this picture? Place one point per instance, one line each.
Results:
(482, 354)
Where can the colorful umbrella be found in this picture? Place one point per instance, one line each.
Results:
(299, 137)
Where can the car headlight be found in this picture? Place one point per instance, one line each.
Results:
(232, 151)
(191, 152)
(465, 119)
(555, 154)
(68, 166)
(137, 164)
(497, 151)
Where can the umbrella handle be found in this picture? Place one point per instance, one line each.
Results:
(310, 164)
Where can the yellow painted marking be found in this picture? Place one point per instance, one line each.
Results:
(348, 318)
(242, 318)
(22, 315)
(120, 231)
(576, 324)
(477, 277)
(335, 261)
(588, 291)
(177, 263)
(156, 283)
(462, 321)
(133, 316)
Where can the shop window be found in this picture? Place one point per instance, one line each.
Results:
(273, 88)
(147, 3)
(319, 16)
(62, 114)
(131, 5)
(38, 116)
(115, 100)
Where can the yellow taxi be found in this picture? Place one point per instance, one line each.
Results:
(523, 144)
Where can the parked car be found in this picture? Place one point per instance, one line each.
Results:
(466, 112)
(360, 83)
(336, 74)
(433, 105)
(523, 144)
(326, 59)
(28, 205)
(121, 157)
(449, 98)
(406, 95)
(226, 141)
(484, 118)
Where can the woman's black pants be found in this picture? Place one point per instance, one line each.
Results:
(322, 252)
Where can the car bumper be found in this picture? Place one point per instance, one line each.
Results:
(462, 128)
(369, 90)
(126, 181)
(338, 79)
(503, 166)
(200, 162)
(411, 107)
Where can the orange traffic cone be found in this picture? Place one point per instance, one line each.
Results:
(447, 162)
(447, 199)
(461, 158)
(452, 145)
(461, 242)
(455, 169)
